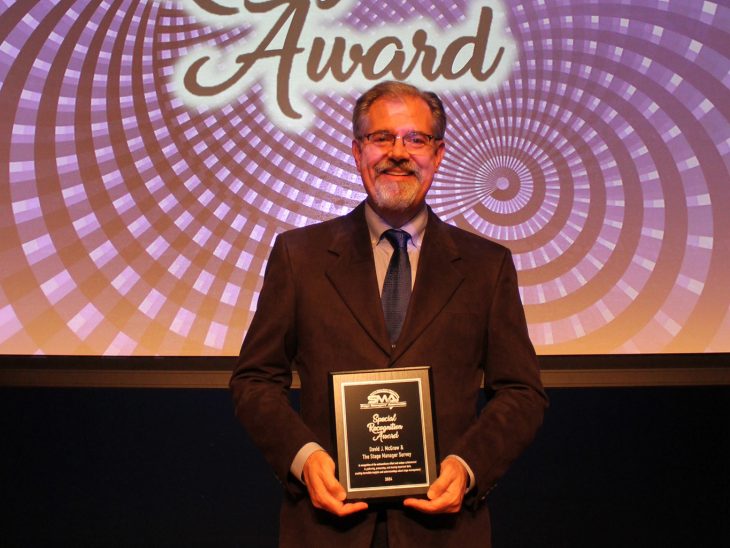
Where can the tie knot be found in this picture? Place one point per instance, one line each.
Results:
(397, 238)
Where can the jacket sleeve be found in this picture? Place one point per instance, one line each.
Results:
(516, 401)
(262, 378)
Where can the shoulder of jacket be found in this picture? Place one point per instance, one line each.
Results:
(317, 233)
(470, 241)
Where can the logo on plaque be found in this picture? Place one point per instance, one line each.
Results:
(383, 398)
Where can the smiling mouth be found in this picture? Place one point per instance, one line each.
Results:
(395, 169)
(396, 173)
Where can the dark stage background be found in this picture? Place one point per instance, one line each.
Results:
(617, 467)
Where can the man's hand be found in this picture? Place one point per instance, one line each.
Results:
(324, 489)
(446, 493)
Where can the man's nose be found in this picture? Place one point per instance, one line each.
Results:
(398, 150)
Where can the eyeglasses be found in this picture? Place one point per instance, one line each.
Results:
(414, 141)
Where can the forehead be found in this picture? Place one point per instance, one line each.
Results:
(399, 113)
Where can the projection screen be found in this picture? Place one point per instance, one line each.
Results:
(151, 151)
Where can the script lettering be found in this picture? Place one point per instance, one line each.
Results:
(294, 46)
(385, 428)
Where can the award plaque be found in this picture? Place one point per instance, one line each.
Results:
(383, 422)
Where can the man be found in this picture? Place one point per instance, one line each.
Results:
(320, 310)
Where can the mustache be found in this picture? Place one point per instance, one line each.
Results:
(406, 165)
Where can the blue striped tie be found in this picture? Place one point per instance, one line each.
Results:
(397, 285)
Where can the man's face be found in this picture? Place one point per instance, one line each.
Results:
(395, 180)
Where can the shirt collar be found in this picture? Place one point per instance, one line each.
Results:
(415, 227)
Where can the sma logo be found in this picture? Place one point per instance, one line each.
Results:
(383, 398)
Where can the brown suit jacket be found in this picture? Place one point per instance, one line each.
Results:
(319, 311)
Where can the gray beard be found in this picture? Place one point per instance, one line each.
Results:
(396, 197)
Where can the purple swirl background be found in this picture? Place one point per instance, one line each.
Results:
(131, 224)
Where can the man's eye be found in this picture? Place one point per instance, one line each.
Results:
(381, 138)
(417, 139)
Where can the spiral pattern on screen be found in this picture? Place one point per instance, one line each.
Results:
(133, 224)
(600, 164)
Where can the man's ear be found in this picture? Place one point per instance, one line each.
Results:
(440, 151)
(356, 152)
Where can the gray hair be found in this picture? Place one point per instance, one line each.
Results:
(397, 90)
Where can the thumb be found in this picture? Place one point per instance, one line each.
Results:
(437, 488)
(333, 486)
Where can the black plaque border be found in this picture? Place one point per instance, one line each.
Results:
(420, 375)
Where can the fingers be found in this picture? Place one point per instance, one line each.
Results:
(325, 491)
(446, 493)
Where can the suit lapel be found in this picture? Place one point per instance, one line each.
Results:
(436, 281)
(353, 276)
